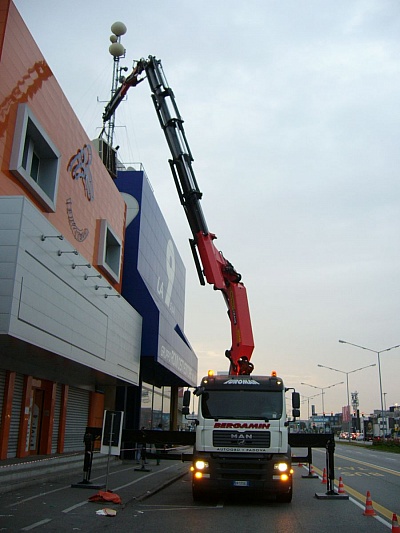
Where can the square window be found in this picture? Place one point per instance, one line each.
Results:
(109, 251)
(35, 160)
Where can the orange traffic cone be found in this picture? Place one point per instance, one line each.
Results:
(341, 487)
(395, 524)
(324, 480)
(300, 465)
(369, 510)
(312, 470)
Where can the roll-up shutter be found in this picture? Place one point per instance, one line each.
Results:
(56, 423)
(2, 388)
(77, 419)
(15, 416)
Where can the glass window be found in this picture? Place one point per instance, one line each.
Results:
(109, 257)
(265, 405)
(155, 406)
(34, 158)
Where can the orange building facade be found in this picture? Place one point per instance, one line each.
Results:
(67, 337)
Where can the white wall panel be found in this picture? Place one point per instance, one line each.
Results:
(52, 306)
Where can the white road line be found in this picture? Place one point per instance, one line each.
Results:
(38, 496)
(119, 488)
(41, 494)
(75, 507)
(37, 524)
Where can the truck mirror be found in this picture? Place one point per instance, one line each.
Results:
(296, 413)
(186, 398)
(296, 400)
(185, 410)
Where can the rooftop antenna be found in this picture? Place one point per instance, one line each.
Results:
(117, 50)
(107, 153)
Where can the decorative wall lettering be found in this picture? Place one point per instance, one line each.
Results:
(79, 234)
(79, 166)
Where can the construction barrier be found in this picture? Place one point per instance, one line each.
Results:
(395, 524)
(369, 510)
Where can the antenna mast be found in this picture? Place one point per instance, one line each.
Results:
(117, 50)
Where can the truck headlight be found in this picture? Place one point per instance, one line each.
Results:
(201, 465)
(282, 467)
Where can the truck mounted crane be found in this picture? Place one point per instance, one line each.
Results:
(241, 442)
(210, 263)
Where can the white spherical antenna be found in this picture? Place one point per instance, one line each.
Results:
(116, 49)
(113, 38)
(118, 28)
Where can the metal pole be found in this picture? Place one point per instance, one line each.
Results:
(379, 363)
(348, 406)
(380, 385)
(109, 449)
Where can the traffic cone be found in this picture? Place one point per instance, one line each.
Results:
(395, 524)
(341, 487)
(324, 480)
(300, 465)
(312, 473)
(369, 510)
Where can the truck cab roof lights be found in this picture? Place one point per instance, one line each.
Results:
(273, 374)
(210, 373)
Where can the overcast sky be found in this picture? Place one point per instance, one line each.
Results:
(291, 111)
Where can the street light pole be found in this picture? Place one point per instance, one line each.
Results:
(347, 384)
(308, 398)
(322, 393)
(379, 370)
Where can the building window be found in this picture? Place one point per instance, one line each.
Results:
(35, 160)
(109, 251)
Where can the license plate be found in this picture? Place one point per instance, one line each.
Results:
(241, 483)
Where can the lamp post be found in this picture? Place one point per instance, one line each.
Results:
(385, 429)
(379, 370)
(308, 398)
(322, 393)
(347, 384)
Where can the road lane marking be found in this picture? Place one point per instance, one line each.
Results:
(361, 497)
(137, 480)
(81, 504)
(382, 468)
(36, 524)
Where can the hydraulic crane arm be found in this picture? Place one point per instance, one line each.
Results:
(210, 262)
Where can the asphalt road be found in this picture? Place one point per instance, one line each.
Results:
(160, 500)
(364, 469)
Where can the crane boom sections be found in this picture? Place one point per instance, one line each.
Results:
(210, 262)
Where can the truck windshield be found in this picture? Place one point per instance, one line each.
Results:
(242, 404)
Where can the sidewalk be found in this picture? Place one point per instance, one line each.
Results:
(28, 473)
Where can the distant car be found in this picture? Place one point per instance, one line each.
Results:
(360, 436)
(343, 435)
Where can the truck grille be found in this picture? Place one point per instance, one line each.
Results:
(244, 439)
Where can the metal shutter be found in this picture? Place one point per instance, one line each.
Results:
(15, 416)
(2, 387)
(56, 423)
(77, 419)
